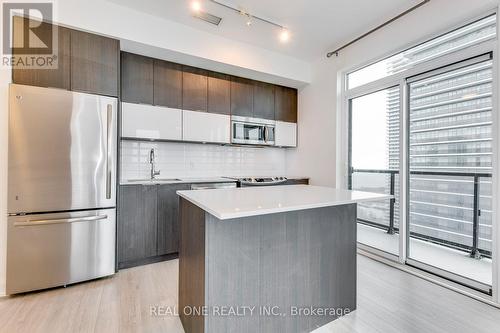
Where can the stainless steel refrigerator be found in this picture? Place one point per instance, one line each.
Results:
(61, 187)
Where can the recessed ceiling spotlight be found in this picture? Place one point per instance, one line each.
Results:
(195, 6)
(284, 35)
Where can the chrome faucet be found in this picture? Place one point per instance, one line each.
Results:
(154, 172)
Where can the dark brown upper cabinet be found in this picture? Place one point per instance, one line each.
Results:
(219, 93)
(285, 104)
(137, 78)
(241, 97)
(58, 77)
(263, 100)
(194, 89)
(167, 84)
(94, 63)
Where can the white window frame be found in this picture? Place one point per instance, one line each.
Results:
(399, 79)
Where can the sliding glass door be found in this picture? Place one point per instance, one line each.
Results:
(448, 208)
(450, 169)
(421, 125)
(374, 166)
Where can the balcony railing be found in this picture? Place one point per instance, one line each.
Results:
(474, 248)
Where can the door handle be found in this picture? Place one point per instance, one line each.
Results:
(109, 118)
(60, 221)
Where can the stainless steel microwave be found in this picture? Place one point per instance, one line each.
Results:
(252, 131)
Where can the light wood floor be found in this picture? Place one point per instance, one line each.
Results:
(389, 300)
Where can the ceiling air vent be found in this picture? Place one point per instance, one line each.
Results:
(207, 17)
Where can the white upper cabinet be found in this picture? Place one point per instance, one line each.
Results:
(206, 127)
(151, 122)
(286, 134)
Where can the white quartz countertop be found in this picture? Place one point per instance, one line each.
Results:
(250, 201)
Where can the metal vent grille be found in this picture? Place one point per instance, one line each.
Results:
(207, 17)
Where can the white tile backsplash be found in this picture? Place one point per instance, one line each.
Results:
(177, 160)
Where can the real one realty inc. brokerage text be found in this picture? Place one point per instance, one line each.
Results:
(243, 311)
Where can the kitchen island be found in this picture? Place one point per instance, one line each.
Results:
(267, 259)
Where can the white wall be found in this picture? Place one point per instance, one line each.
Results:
(315, 155)
(318, 103)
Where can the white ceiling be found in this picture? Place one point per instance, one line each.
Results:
(316, 26)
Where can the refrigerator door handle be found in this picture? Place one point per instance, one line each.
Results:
(109, 118)
(58, 221)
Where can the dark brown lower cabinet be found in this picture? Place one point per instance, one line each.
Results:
(148, 223)
(168, 218)
(298, 181)
(136, 238)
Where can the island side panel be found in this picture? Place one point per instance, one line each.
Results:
(232, 272)
(191, 265)
(302, 258)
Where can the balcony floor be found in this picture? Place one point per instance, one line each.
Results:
(448, 259)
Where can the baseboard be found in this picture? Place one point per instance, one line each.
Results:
(146, 261)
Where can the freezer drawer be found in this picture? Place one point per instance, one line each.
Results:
(49, 250)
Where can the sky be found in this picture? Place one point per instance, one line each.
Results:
(369, 131)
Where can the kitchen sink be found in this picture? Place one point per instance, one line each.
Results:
(154, 180)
